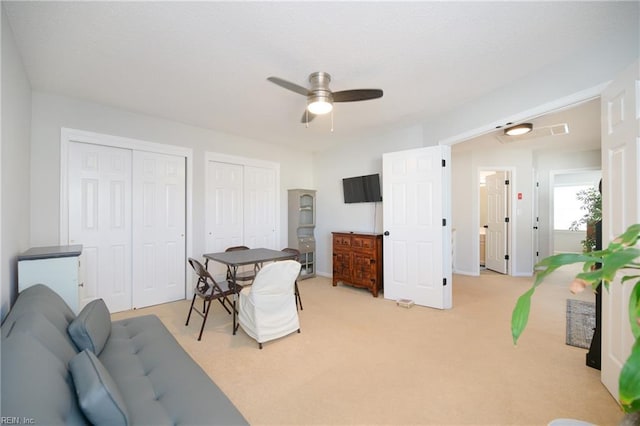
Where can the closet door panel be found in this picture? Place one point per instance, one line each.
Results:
(159, 217)
(99, 188)
(260, 214)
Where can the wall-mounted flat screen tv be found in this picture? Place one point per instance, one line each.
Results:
(362, 189)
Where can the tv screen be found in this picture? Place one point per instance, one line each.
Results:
(362, 189)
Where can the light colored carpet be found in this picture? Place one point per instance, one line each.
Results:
(364, 360)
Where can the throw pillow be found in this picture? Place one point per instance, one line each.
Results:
(98, 395)
(92, 327)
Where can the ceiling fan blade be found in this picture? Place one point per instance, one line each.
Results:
(307, 117)
(356, 95)
(289, 85)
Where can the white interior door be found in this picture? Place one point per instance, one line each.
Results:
(260, 212)
(159, 232)
(99, 190)
(417, 242)
(620, 177)
(496, 235)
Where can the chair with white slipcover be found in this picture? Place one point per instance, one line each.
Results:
(296, 253)
(267, 309)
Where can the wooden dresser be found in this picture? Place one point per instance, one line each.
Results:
(357, 260)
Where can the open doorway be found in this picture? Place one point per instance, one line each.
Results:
(565, 139)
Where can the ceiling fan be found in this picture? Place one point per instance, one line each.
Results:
(320, 98)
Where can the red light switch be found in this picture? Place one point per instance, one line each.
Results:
(519, 195)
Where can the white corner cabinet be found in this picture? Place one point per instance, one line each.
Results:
(57, 267)
(302, 223)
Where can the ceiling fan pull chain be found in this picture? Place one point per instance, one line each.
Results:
(306, 124)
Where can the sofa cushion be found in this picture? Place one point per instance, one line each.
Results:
(160, 382)
(98, 395)
(36, 384)
(92, 327)
(37, 326)
(41, 299)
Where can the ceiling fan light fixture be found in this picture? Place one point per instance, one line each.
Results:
(319, 105)
(518, 130)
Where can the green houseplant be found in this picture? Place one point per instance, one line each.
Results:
(621, 255)
(592, 206)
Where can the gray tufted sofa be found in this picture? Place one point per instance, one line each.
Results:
(61, 369)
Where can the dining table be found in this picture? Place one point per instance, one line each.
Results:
(237, 258)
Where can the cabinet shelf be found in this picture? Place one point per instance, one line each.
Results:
(302, 222)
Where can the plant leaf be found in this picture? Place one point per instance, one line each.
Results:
(613, 263)
(634, 311)
(520, 315)
(562, 259)
(630, 236)
(630, 381)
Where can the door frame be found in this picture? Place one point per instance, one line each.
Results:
(246, 161)
(68, 135)
(542, 109)
(511, 237)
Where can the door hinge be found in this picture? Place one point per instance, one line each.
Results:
(506, 219)
(537, 184)
(444, 282)
(444, 222)
(506, 182)
(506, 257)
(444, 163)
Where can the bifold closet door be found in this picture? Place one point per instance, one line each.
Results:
(159, 228)
(128, 210)
(240, 207)
(99, 190)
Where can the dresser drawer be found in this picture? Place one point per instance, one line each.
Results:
(363, 243)
(342, 241)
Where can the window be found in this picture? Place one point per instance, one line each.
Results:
(567, 208)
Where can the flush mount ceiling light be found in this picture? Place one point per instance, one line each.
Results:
(519, 129)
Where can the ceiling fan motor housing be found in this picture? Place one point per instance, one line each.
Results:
(319, 91)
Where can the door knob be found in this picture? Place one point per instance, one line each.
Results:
(386, 233)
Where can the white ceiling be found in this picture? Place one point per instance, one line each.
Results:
(582, 122)
(206, 63)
